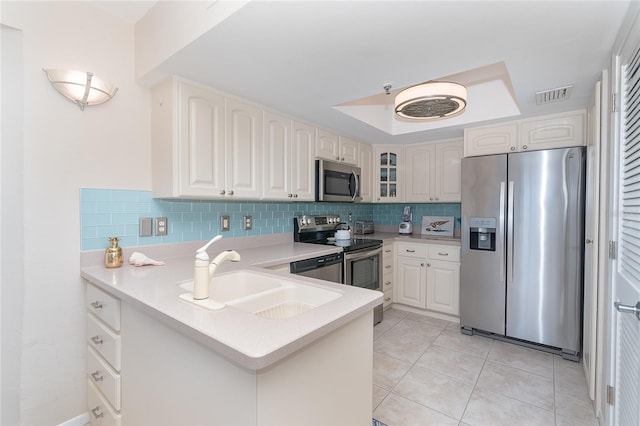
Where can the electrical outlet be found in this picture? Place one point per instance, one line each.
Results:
(247, 223)
(224, 223)
(146, 226)
(162, 226)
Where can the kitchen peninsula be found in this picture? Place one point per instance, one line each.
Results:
(177, 363)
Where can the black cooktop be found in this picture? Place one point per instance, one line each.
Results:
(321, 230)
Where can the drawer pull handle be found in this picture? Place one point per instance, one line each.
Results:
(96, 340)
(387, 251)
(410, 251)
(387, 266)
(97, 413)
(97, 377)
(387, 283)
(96, 305)
(443, 254)
(386, 299)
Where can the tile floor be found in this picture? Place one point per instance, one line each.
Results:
(425, 372)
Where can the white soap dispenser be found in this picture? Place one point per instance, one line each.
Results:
(201, 276)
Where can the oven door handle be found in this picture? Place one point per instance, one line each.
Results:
(362, 254)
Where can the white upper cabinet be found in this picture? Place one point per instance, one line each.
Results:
(243, 149)
(551, 131)
(205, 145)
(387, 169)
(432, 172)
(288, 159)
(365, 152)
(336, 148)
(188, 146)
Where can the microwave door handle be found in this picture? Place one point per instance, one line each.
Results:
(355, 193)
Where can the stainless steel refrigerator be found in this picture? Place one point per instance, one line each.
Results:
(522, 247)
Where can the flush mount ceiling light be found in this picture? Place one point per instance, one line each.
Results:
(80, 87)
(431, 100)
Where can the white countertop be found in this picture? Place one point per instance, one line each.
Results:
(248, 340)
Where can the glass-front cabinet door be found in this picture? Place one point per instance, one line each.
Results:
(387, 171)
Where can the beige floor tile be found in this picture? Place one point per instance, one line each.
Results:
(569, 378)
(517, 384)
(473, 345)
(378, 395)
(437, 391)
(385, 325)
(488, 408)
(458, 365)
(573, 411)
(416, 330)
(398, 411)
(402, 346)
(424, 319)
(395, 313)
(387, 371)
(531, 360)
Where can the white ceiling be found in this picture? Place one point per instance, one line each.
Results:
(306, 58)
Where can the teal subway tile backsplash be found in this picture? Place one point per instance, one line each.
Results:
(108, 212)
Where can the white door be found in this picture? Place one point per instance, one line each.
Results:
(625, 359)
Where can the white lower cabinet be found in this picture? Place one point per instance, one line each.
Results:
(104, 357)
(428, 277)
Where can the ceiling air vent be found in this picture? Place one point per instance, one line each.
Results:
(553, 95)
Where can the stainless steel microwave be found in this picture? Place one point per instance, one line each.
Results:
(337, 182)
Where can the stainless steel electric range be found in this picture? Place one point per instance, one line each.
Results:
(362, 261)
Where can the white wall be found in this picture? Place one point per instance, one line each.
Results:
(106, 146)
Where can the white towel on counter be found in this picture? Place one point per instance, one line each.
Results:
(140, 259)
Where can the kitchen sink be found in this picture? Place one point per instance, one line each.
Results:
(234, 285)
(261, 294)
(285, 302)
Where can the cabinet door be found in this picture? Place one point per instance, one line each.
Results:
(564, 130)
(490, 140)
(243, 143)
(365, 152)
(327, 145)
(277, 157)
(410, 285)
(202, 152)
(387, 168)
(302, 163)
(348, 151)
(447, 172)
(443, 287)
(419, 173)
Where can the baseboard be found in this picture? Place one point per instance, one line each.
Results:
(81, 420)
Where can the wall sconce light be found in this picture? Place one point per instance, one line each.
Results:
(431, 100)
(81, 88)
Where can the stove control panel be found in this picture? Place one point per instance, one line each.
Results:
(308, 223)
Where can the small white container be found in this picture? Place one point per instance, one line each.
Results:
(343, 234)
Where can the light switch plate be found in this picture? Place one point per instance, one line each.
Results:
(247, 223)
(162, 226)
(224, 223)
(146, 226)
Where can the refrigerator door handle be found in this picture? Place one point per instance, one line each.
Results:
(501, 228)
(510, 233)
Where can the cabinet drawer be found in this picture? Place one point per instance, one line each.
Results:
(447, 253)
(387, 281)
(388, 298)
(104, 377)
(412, 250)
(104, 306)
(104, 340)
(100, 412)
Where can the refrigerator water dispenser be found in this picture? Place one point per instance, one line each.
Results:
(482, 233)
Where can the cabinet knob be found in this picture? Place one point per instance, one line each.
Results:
(387, 266)
(428, 265)
(337, 158)
(230, 192)
(289, 195)
(437, 199)
(422, 264)
(221, 192)
(342, 159)
(97, 413)
(513, 148)
(430, 198)
(295, 195)
(588, 241)
(387, 299)
(387, 251)
(524, 147)
(387, 283)
(96, 340)
(96, 305)
(97, 377)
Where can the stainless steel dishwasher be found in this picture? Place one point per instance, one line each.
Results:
(328, 268)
